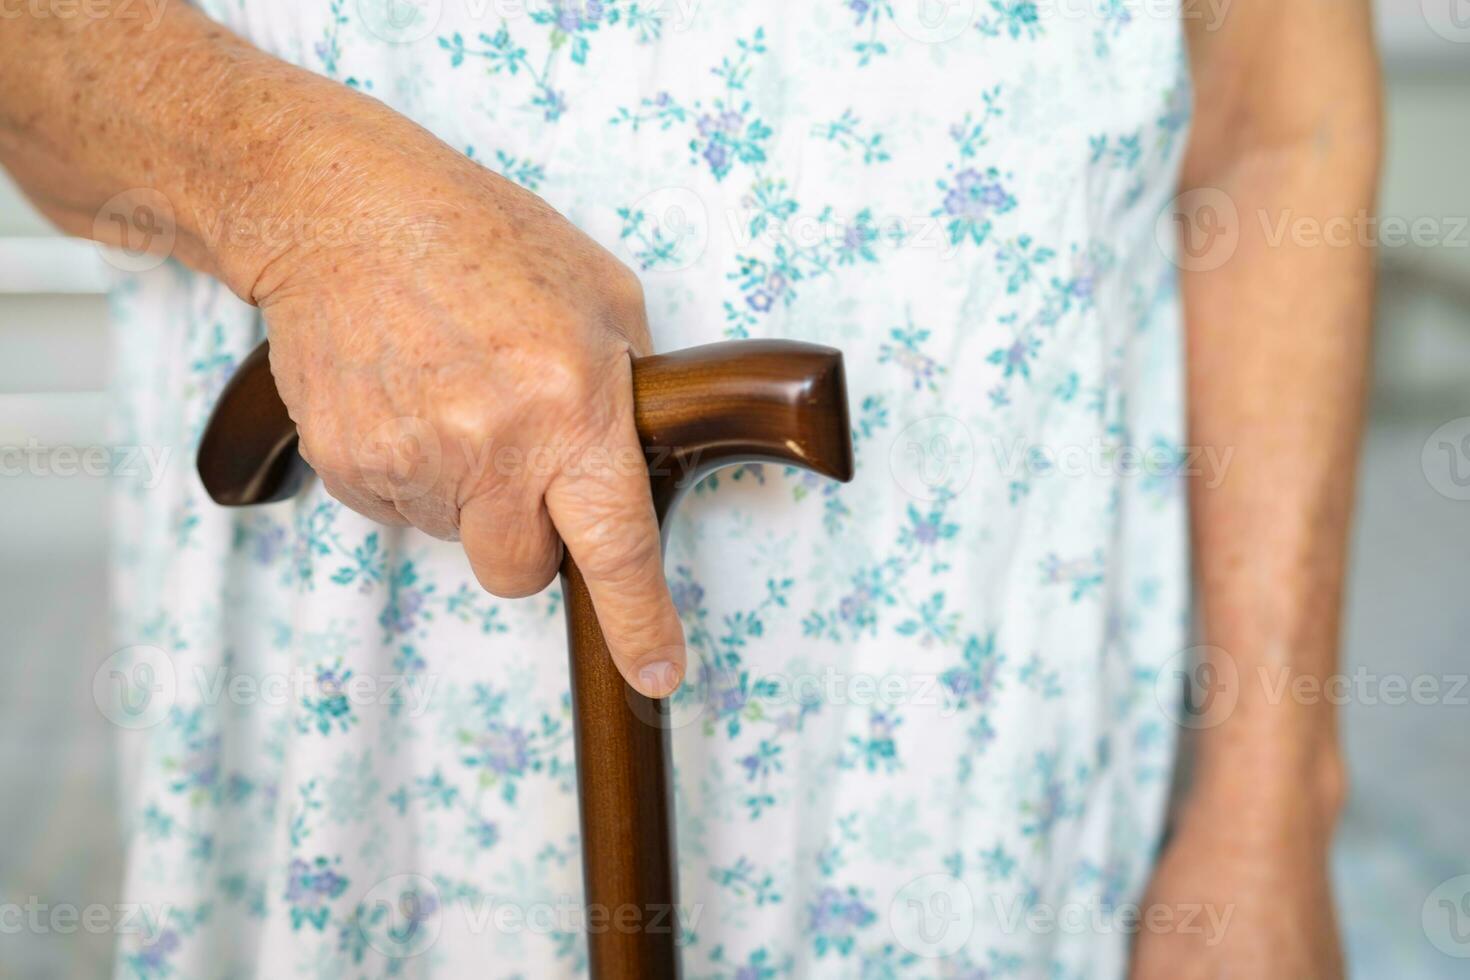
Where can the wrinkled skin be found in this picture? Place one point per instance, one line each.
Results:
(428, 318)
(465, 368)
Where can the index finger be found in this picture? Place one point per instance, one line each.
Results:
(606, 520)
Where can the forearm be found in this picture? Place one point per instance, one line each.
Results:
(94, 107)
(1278, 350)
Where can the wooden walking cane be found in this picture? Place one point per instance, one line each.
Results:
(696, 410)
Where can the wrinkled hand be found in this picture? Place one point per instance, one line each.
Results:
(457, 357)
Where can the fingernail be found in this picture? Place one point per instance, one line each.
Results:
(660, 679)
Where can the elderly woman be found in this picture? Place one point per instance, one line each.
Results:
(933, 713)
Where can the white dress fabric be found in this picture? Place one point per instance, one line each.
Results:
(921, 719)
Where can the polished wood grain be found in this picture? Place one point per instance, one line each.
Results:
(699, 409)
(248, 452)
(696, 410)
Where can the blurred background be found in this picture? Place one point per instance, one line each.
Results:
(1404, 838)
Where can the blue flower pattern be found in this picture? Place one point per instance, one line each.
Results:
(947, 667)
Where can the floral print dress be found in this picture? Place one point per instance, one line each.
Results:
(922, 710)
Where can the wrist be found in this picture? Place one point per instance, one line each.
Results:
(1271, 763)
(340, 182)
(150, 142)
(291, 164)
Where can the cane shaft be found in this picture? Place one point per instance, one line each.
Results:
(696, 410)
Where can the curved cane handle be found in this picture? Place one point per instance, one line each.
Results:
(247, 454)
(696, 410)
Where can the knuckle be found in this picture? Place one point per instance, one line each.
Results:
(565, 382)
(458, 418)
(626, 289)
(322, 449)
